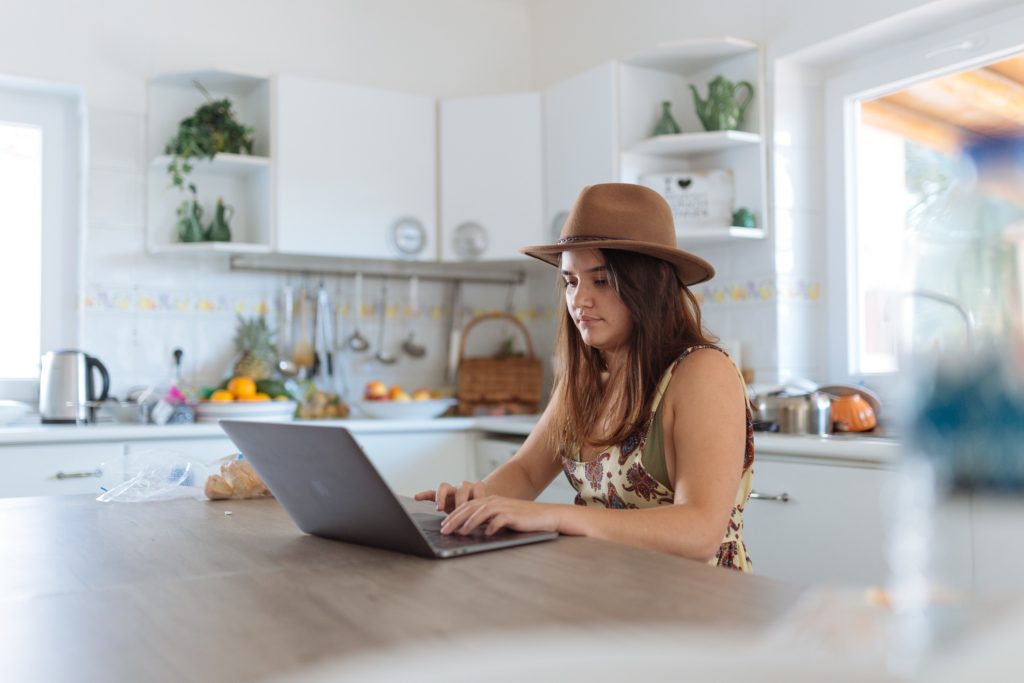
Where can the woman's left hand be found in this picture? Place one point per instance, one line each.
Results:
(498, 512)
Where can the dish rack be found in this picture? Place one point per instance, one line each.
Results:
(502, 384)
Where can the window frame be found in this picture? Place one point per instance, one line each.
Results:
(964, 46)
(60, 111)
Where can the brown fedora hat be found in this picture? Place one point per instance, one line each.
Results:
(627, 217)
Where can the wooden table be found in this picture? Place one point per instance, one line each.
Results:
(182, 591)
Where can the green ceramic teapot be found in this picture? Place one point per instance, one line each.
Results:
(723, 109)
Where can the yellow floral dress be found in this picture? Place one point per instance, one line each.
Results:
(618, 478)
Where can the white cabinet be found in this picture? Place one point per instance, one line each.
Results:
(242, 180)
(816, 522)
(60, 469)
(417, 461)
(356, 171)
(491, 177)
(997, 525)
(493, 451)
(580, 140)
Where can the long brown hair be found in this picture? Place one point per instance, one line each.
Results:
(666, 321)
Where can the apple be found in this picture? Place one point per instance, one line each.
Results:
(376, 391)
(421, 395)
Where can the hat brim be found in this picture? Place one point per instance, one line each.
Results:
(691, 269)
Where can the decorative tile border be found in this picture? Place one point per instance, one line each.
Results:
(138, 301)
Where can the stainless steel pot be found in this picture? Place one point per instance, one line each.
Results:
(809, 413)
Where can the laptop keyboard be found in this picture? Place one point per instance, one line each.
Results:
(431, 527)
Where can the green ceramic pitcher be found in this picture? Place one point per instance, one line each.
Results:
(219, 230)
(190, 226)
(724, 108)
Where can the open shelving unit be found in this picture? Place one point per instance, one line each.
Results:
(242, 180)
(666, 73)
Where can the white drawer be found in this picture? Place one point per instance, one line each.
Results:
(64, 469)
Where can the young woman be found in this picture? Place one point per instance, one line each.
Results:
(648, 419)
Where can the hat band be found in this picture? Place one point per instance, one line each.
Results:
(585, 238)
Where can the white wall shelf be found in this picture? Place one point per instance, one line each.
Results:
(705, 236)
(221, 163)
(202, 248)
(691, 55)
(694, 143)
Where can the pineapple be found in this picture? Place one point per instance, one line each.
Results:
(254, 342)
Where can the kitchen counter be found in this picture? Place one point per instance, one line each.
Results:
(183, 591)
(864, 449)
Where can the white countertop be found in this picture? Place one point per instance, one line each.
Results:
(847, 447)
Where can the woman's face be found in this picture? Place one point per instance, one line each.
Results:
(603, 320)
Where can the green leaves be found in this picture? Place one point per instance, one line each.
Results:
(210, 130)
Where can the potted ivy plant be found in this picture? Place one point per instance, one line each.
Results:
(211, 129)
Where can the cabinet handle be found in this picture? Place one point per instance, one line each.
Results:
(780, 498)
(80, 475)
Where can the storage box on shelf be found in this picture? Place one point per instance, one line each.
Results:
(243, 181)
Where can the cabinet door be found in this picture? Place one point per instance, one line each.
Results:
(61, 469)
(492, 453)
(351, 164)
(832, 527)
(491, 176)
(414, 462)
(998, 527)
(580, 140)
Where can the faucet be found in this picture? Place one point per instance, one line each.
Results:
(949, 301)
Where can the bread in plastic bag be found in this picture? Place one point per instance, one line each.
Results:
(166, 474)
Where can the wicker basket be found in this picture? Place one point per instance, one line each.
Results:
(509, 385)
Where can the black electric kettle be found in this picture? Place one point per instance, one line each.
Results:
(66, 391)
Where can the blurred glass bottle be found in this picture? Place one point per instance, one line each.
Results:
(963, 404)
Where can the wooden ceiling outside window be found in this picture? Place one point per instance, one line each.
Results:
(947, 113)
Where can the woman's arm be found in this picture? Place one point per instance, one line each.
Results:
(524, 476)
(705, 438)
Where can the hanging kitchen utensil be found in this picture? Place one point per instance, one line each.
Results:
(323, 337)
(455, 333)
(357, 342)
(303, 354)
(382, 355)
(410, 345)
(285, 365)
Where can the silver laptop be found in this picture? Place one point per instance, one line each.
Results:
(329, 488)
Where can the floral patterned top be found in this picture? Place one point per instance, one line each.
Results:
(617, 478)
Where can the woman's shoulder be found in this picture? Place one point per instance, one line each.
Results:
(701, 370)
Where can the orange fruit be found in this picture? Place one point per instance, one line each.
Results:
(242, 387)
(222, 396)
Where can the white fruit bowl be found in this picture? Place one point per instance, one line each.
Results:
(405, 410)
(12, 411)
(211, 411)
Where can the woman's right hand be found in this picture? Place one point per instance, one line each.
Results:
(449, 496)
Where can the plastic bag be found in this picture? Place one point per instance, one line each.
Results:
(165, 474)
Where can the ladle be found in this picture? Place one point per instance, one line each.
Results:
(410, 345)
(382, 355)
(357, 342)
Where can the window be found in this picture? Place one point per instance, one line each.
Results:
(40, 226)
(905, 210)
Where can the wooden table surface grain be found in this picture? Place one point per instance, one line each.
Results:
(180, 591)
